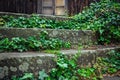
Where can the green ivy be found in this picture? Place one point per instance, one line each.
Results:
(32, 43)
(111, 63)
(103, 17)
(27, 76)
(2, 22)
(66, 69)
(34, 21)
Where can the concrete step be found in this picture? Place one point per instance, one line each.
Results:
(15, 63)
(75, 37)
(112, 78)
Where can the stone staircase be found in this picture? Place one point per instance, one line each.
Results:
(12, 63)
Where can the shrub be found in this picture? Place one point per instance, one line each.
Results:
(103, 17)
(111, 63)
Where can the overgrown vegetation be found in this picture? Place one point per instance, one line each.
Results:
(111, 63)
(32, 43)
(34, 21)
(66, 69)
(1, 22)
(103, 17)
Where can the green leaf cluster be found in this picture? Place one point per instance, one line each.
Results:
(27, 76)
(66, 69)
(2, 22)
(111, 63)
(32, 43)
(104, 18)
(34, 21)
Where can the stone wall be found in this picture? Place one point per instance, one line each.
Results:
(20, 63)
(76, 37)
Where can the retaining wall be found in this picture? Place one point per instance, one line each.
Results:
(75, 37)
(19, 63)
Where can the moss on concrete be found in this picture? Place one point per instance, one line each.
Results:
(19, 63)
(76, 37)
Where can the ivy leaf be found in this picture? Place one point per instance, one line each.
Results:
(27, 76)
(42, 75)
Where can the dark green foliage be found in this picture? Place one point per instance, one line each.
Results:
(53, 43)
(2, 22)
(87, 73)
(112, 63)
(22, 22)
(4, 44)
(66, 69)
(19, 44)
(36, 22)
(27, 76)
(32, 43)
(103, 17)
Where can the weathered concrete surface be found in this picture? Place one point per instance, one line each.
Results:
(112, 78)
(19, 63)
(76, 37)
(40, 15)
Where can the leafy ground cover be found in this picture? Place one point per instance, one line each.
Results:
(34, 21)
(32, 43)
(111, 64)
(102, 17)
(67, 69)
